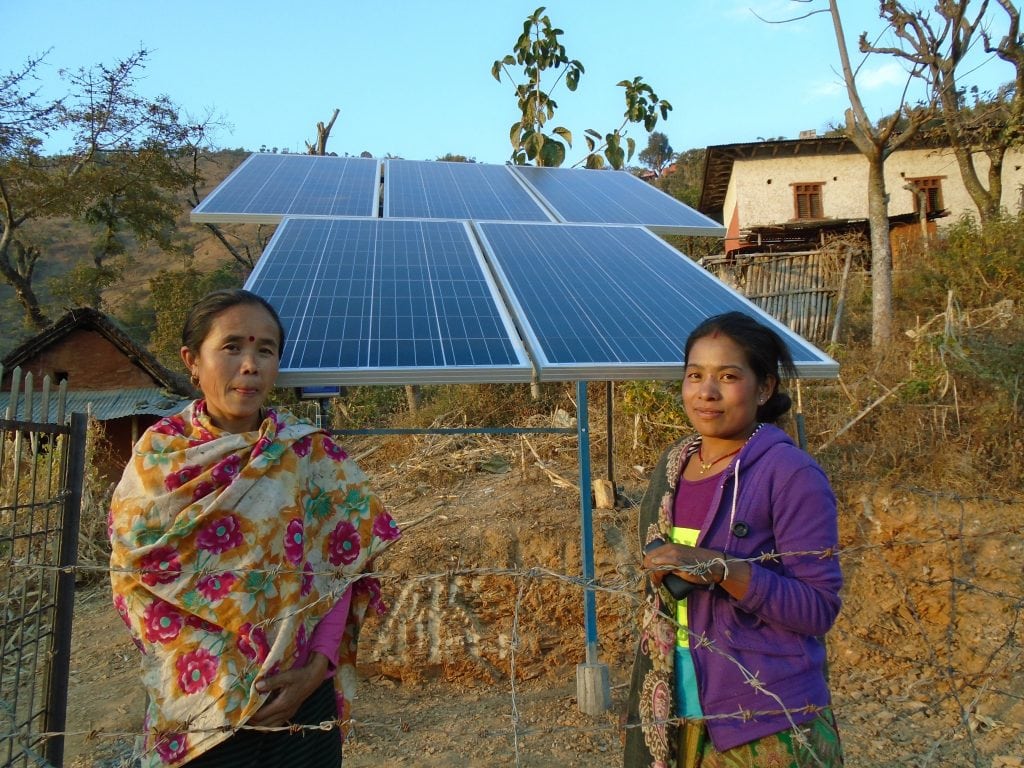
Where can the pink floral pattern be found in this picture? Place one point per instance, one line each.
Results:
(163, 621)
(252, 642)
(196, 670)
(220, 535)
(175, 480)
(160, 566)
(293, 542)
(203, 489)
(261, 445)
(334, 450)
(215, 586)
(370, 590)
(191, 620)
(301, 643)
(385, 528)
(206, 604)
(227, 470)
(307, 579)
(172, 748)
(122, 609)
(302, 446)
(171, 425)
(343, 544)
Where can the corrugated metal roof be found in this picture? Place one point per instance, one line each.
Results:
(102, 404)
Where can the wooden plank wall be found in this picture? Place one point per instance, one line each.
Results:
(798, 289)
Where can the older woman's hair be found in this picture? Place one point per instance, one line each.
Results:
(765, 351)
(205, 311)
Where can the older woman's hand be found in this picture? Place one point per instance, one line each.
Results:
(288, 690)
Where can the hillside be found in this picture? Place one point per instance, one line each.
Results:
(66, 243)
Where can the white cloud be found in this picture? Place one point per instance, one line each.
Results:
(826, 89)
(888, 75)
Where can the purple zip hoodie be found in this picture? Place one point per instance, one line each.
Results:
(765, 652)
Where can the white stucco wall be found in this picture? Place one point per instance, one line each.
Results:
(765, 195)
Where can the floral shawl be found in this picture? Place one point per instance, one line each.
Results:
(650, 739)
(227, 549)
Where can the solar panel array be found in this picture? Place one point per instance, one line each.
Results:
(267, 187)
(371, 301)
(613, 302)
(614, 197)
(475, 273)
(442, 190)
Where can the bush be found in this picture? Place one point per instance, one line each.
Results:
(982, 264)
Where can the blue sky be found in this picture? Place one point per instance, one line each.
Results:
(412, 78)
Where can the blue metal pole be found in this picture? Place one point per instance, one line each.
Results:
(586, 522)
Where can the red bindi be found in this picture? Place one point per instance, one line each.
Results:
(252, 338)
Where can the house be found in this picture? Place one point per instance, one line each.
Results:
(787, 195)
(109, 376)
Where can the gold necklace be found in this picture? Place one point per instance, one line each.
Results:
(706, 465)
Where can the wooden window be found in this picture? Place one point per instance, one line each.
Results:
(932, 189)
(807, 201)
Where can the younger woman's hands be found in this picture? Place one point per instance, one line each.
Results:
(703, 567)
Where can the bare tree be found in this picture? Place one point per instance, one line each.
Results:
(196, 152)
(936, 45)
(876, 143)
(323, 132)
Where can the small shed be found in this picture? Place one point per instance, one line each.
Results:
(109, 376)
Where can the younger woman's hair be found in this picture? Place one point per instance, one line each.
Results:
(205, 311)
(766, 354)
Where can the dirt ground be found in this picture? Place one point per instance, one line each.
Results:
(475, 663)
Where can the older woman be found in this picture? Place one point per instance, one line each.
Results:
(739, 531)
(241, 537)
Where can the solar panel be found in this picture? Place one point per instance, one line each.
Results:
(267, 187)
(386, 301)
(445, 190)
(613, 302)
(580, 196)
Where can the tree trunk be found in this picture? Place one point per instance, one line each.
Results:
(881, 254)
(323, 132)
(21, 284)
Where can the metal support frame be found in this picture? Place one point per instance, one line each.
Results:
(593, 690)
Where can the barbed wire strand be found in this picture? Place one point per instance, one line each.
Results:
(628, 586)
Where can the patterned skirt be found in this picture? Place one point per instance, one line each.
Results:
(811, 745)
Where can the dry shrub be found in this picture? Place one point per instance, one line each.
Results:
(939, 407)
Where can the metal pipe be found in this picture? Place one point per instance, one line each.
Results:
(57, 693)
(586, 524)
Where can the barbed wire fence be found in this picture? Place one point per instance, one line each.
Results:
(946, 611)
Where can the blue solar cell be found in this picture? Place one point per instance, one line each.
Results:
(443, 190)
(580, 196)
(267, 187)
(371, 301)
(597, 302)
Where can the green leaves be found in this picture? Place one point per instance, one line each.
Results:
(540, 53)
(552, 153)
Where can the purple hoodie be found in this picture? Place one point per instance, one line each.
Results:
(765, 652)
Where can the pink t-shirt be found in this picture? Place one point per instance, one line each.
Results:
(326, 637)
